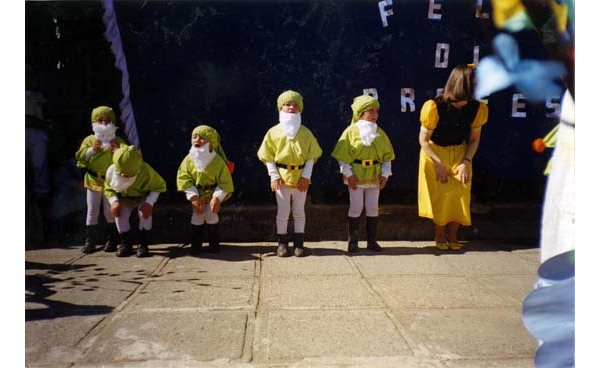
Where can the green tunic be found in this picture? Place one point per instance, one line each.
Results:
(350, 147)
(146, 181)
(98, 162)
(277, 147)
(215, 173)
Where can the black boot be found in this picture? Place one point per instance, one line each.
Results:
(372, 234)
(353, 234)
(125, 249)
(299, 245)
(90, 239)
(112, 237)
(214, 239)
(282, 245)
(196, 235)
(142, 249)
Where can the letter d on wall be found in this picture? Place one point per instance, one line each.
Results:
(442, 51)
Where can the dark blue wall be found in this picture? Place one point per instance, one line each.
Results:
(224, 63)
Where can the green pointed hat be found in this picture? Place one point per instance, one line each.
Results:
(361, 104)
(212, 136)
(288, 96)
(128, 160)
(103, 111)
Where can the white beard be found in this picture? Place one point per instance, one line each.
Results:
(290, 123)
(368, 131)
(202, 156)
(118, 182)
(104, 133)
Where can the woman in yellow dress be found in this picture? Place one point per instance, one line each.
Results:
(449, 137)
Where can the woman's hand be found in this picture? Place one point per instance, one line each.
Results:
(462, 172)
(441, 173)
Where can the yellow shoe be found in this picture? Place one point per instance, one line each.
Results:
(455, 246)
(441, 246)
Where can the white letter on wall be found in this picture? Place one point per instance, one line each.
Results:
(385, 13)
(516, 105)
(407, 97)
(431, 14)
(371, 92)
(553, 103)
(441, 55)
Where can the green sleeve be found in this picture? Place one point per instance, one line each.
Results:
(266, 151)
(314, 151)
(343, 150)
(184, 177)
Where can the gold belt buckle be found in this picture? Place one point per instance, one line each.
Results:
(367, 163)
(293, 167)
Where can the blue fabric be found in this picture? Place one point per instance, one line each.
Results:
(549, 312)
(536, 79)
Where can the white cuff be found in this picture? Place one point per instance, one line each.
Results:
(272, 171)
(386, 169)
(152, 197)
(191, 192)
(219, 193)
(346, 169)
(113, 199)
(89, 153)
(308, 168)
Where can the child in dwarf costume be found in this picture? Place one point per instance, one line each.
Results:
(132, 183)
(95, 155)
(206, 180)
(364, 153)
(289, 151)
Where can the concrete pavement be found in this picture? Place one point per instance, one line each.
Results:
(410, 306)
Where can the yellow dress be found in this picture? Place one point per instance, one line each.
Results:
(451, 201)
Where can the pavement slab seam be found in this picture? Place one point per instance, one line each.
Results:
(417, 349)
(98, 329)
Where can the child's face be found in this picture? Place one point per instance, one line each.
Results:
(290, 107)
(198, 141)
(370, 115)
(104, 120)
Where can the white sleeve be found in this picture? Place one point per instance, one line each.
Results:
(219, 193)
(89, 153)
(308, 168)
(386, 169)
(345, 169)
(152, 197)
(272, 170)
(113, 199)
(191, 192)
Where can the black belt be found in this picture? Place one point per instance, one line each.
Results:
(120, 196)
(291, 167)
(206, 187)
(366, 163)
(93, 173)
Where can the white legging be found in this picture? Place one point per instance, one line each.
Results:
(94, 199)
(298, 198)
(206, 217)
(123, 221)
(369, 197)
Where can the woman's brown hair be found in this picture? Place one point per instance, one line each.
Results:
(459, 86)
